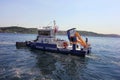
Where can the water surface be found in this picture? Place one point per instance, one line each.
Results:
(27, 64)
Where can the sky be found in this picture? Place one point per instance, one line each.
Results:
(101, 16)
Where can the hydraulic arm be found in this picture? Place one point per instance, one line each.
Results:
(74, 37)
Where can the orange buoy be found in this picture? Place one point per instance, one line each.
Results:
(65, 44)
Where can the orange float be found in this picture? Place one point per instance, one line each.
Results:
(65, 44)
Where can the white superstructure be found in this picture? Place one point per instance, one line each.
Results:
(46, 35)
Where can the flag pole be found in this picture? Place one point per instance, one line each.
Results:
(54, 22)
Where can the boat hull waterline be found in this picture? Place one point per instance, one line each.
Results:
(54, 49)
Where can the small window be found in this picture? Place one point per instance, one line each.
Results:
(45, 33)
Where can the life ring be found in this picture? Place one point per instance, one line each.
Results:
(65, 44)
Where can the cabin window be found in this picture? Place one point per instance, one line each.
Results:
(45, 33)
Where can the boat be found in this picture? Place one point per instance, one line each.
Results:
(47, 41)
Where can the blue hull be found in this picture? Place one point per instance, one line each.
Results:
(53, 48)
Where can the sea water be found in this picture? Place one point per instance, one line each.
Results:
(26, 64)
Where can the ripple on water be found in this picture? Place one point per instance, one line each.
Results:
(26, 64)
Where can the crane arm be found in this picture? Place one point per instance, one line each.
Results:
(80, 40)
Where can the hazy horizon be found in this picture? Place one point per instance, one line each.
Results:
(101, 16)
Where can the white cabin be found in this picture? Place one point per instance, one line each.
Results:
(46, 35)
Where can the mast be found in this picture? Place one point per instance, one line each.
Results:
(55, 28)
(54, 22)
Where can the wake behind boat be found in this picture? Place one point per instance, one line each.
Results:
(47, 41)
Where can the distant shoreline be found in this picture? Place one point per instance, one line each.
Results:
(22, 30)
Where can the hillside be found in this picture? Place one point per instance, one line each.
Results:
(16, 29)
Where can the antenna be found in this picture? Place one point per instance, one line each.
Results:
(54, 23)
(49, 23)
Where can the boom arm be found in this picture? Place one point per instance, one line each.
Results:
(76, 38)
(80, 40)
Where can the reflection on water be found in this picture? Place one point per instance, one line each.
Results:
(58, 66)
(26, 64)
(45, 63)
